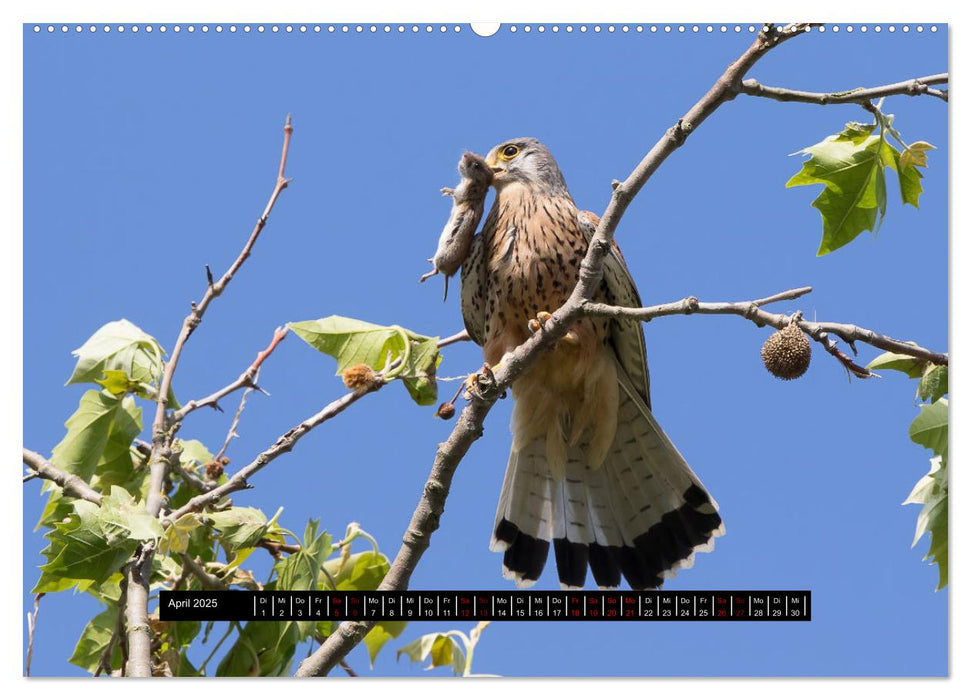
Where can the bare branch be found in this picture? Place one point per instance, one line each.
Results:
(192, 321)
(274, 548)
(231, 433)
(139, 633)
(117, 636)
(913, 88)
(208, 581)
(31, 628)
(73, 485)
(468, 428)
(246, 380)
(460, 337)
(285, 443)
(750, 309)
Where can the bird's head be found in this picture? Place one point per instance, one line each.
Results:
(528, 162)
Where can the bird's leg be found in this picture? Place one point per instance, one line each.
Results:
(478, 384)
(447, 192)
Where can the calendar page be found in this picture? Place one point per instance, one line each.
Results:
(437, 349)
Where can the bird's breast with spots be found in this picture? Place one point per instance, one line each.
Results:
(534, 250)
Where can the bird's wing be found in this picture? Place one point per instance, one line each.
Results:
(626, 335)
(474, 291)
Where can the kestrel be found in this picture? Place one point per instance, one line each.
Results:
(590, 469)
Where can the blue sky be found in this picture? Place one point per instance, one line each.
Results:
(148, 156)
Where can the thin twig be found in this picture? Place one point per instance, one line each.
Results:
(117, 636)
(31, 628)
(245, 380)
(468, 427)
(274, 548)
(73, 485)
(208, 581)
(347, 668)
(139, 642)
(460, 337)
(750, 309)
(913, 88)
(285, 443)
(229, 630)
(231, 433)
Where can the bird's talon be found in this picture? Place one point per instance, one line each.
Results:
(478, 383)
(536, 324)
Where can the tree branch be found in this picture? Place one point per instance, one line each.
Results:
(285, 443)
(818, 331)
(192, 321)
(246, 380)
(31, 629)
(468, 428)
(460, 337)
(913, 88)
(139, 634)
(73, 485)
(137, 629)
(208, 581)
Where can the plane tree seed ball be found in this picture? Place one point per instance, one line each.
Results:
(786, 353)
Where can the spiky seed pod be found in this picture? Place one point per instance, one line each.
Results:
(358, 377)
(786, 353)
(214, 469)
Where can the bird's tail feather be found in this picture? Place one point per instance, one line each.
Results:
(642, 514)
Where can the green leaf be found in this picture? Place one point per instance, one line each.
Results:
(910, 366)
(410, 356)
(116, 466)
(352, 342)
(95, 639)
(267, 648)
(856, 132)
(300, 570)
(194, 454)
(85, 446)
(109, 590)
(418, 374)
(931, 493)
(916, 154)
(122, 517)
(363, 571)
(933, 385)
(912, 157)
(79, 553)
(441, 649)
(261, 649)
(116, 382)
(175, 539)
(381, 634)
(121, 346)
(97, 448)
(850, 165)
(930, 427)
(87, 434)
(240, 527)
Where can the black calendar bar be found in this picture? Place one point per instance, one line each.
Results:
(663, 606)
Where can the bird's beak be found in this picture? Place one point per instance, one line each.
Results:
(497, 170)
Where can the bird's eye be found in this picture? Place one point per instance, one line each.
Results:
(509, 152)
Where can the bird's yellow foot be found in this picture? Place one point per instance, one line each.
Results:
(539, 323)
(536, 324)
(477, 383)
